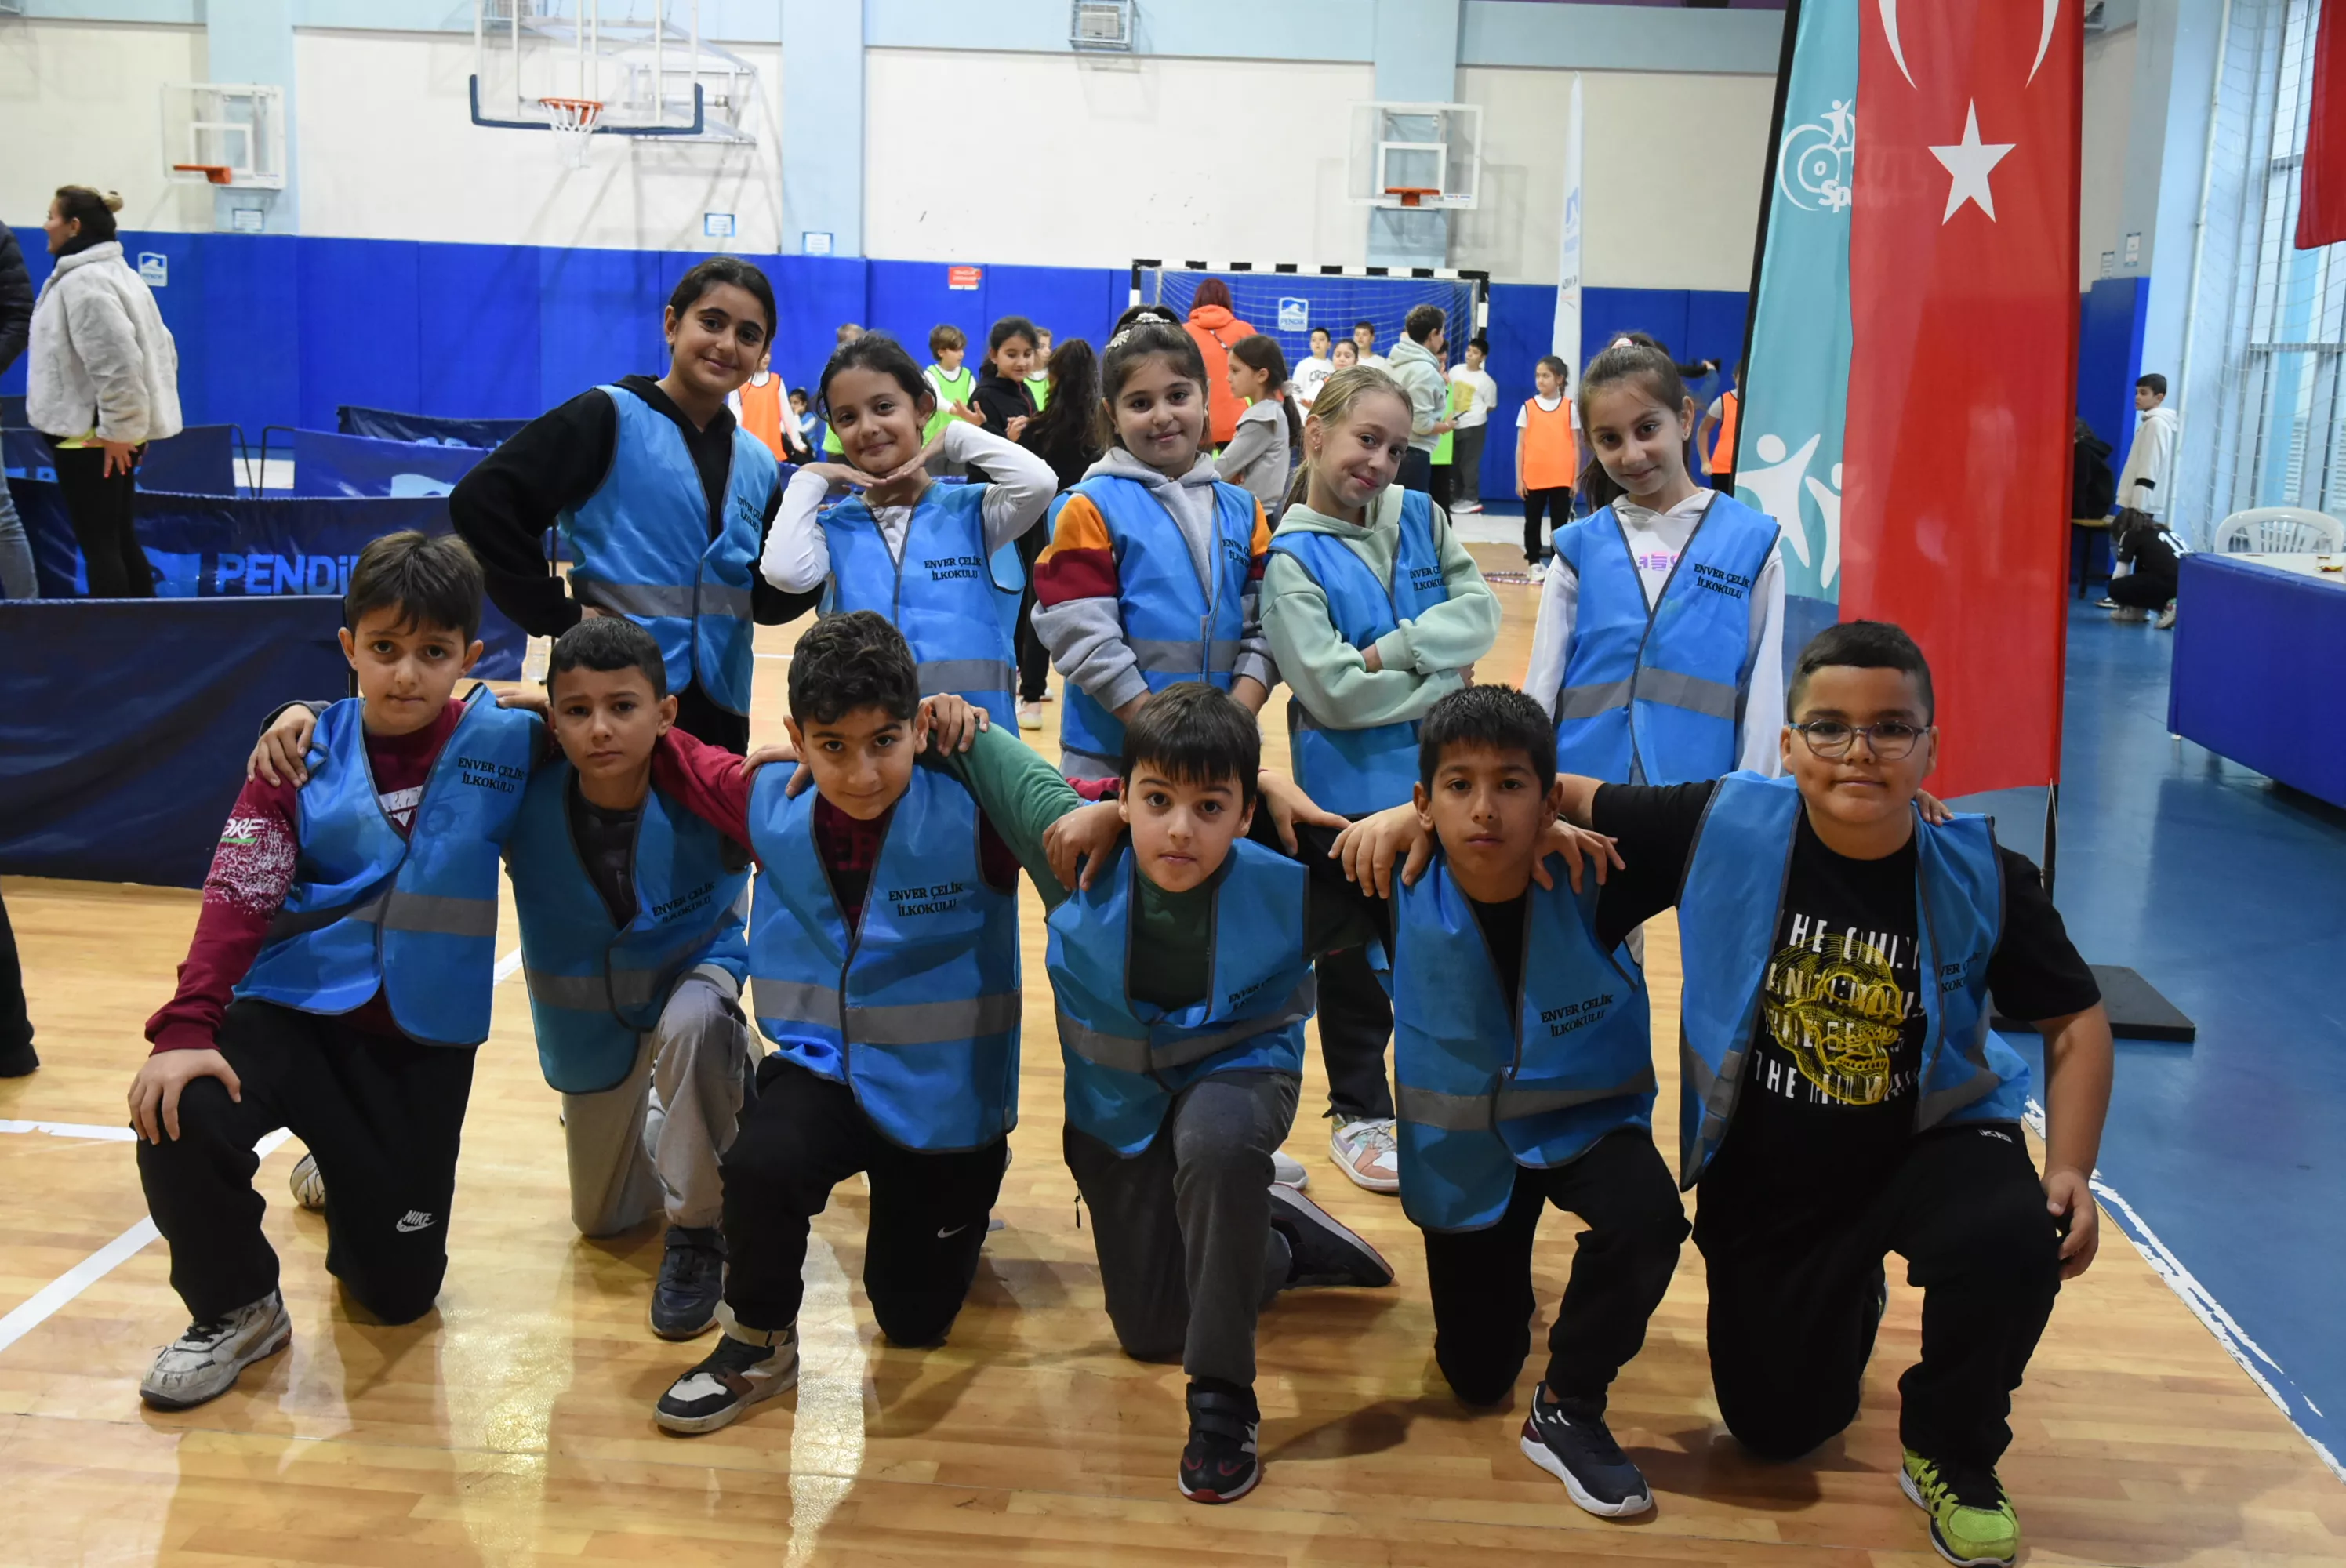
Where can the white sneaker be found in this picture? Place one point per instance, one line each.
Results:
(1538, 573)
(1286, 1170)
(1030, 715)
(2167, 618)
(1366, 1151)
(203, 1362)
(1466, 508)
(309, 1186)
(746, 1366)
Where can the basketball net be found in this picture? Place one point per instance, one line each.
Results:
(573, 122)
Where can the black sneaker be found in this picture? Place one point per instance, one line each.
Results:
(691, 1283)
(1219, 1464)
(1570, 1442)
(1324, 1252)
(732, 1377)
(17, 1061)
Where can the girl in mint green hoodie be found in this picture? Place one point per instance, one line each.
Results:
(1374, 612)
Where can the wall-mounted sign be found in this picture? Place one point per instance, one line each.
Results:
(814, 242)
(964, 276)
(154, 268)
(717, 225)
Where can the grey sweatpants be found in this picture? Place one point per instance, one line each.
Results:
(1186, 1253)
(652, 1142)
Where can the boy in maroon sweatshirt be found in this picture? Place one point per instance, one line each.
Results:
(339, 975)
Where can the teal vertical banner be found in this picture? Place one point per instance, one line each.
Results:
(1795, 394)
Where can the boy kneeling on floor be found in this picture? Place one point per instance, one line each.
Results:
(339, 978)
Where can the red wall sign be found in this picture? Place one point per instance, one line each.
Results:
(964, 276)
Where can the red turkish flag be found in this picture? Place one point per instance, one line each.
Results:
(1964, 315)
(2322, 192)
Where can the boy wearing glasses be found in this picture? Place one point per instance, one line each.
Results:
(1841, 1097)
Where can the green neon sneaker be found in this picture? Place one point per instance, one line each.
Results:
(1971, 1522)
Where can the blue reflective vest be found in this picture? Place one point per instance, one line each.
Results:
(414, 916)
(641, 547)
(942, 596)
(593, 986)
(1484, 1082)
(1728, 917)
(1179, 627)
(1125, 1059)
(916, 1007)
(1354, 772)
(1657, 697)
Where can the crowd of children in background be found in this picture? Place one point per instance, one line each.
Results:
(1457, 871)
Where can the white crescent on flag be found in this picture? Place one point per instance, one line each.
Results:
(1897, 48)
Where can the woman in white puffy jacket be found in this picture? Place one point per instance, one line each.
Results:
(103, 381)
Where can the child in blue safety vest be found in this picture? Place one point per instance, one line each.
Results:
(1523, 1056)
(339, 978)
(1841, 1095)
(1182, 966)
(1659, 649)
(923, 555)
(884, 966)
(1374, 612)
(632, 951)
(661, 501)
(1151, 574)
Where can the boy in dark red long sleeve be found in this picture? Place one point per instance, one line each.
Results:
(339, 975)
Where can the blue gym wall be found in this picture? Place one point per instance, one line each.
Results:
(280, 329)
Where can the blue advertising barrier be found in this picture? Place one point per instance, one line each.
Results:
(362, 466)
(217, 547)
(385, 424)
(125, 724)
(12, 412)
(201, 459)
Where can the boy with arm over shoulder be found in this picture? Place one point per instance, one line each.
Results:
(339, 978)
(1843, 1097)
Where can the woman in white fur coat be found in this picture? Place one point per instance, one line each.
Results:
(103, 381)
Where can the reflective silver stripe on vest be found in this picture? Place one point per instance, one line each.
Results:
(965, 675)
(589, 993)
(436, 914)
(1588, 701)
(906, 1024)
(1478, 1113)
(1153, 656)
(288, 924)
(1695, 694)
(1125, 1054)
(724, 599)
(652, 601)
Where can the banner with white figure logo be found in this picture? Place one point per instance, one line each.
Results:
(1566, 336)
(1795, 382)
(1910, 377)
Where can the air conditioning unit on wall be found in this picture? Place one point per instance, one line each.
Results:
(1102, 24)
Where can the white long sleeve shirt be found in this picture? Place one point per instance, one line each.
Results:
(1657, 539)
(2147, 483)
(798, 556)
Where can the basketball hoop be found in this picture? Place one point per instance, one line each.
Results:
(217, 173)
(1412, 195)
(574, 122)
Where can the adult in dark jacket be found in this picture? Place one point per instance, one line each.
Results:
(2092, 490)
(16, 579)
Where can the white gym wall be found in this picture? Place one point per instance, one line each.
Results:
(81, 103)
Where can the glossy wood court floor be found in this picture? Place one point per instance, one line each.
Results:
(513, 1424)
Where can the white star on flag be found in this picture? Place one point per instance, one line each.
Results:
(1968, 162)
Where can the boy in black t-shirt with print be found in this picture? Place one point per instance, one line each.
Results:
(1842, 1098)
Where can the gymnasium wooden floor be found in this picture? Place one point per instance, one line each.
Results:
(514, 1425)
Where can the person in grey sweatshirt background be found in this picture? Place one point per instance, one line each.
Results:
(1269, 431)
(1374, 612)
(16, 578)
(1154, 564)
(1417, 366)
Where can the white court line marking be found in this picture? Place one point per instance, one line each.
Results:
(507, 964)
(785, 658)
(71, 1130)
(45, 1301)
(2278, 1388)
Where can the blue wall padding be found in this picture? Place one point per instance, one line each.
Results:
(2110, 357)
(182, 685)
(279, 330)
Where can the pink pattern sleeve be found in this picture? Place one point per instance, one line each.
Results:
(252, 871)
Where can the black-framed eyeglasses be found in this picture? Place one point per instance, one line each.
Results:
(1891, 741)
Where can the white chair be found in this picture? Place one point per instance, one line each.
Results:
(2280, 531)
